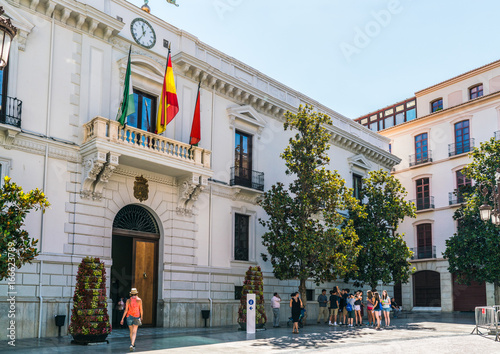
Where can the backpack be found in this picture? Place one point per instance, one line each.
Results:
(348, 307)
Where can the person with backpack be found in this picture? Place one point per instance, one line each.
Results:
(350, 309)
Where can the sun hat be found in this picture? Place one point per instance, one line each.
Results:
(134, 291)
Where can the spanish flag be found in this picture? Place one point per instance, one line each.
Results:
(168, 104)
(195, 128)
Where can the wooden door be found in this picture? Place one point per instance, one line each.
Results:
(467, 297)
(426, 289)
(144, 277)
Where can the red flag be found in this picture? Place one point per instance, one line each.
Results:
(168, 104)
(195, 129)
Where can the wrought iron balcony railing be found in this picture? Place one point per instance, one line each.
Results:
(10, 111)
(455, 197)
(423, 252)
(460, 148)
(247, 178)
(424, 203)
(418, 159)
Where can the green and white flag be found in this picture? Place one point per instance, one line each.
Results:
(127, 107)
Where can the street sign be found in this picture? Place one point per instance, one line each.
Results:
(251, 305)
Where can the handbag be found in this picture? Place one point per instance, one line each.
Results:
(137, 322)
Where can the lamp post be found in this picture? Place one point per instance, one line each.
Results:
(486, 211)
(7, 33)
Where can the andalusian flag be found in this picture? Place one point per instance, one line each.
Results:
(195, 128)
(127, 107)
(168, 104)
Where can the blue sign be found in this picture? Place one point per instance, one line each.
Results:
(250, 302)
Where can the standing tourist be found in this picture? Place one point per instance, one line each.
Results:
(377, 307)
(323, 309)
(369, 308)
(357, 308)
(296, 306)
(133, 313)
(350, 309)
(386, 308)
(275, 304)
(334, 306)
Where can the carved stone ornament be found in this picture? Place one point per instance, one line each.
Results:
(141, 188)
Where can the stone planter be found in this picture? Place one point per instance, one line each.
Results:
(84, 339)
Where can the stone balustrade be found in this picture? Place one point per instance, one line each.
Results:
(112, 131)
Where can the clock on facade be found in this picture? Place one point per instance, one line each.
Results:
(143, 33)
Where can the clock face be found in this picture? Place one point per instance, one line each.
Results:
(143, 33)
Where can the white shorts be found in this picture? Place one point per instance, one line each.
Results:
(357, 308)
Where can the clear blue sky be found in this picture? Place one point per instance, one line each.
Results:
(354, 56)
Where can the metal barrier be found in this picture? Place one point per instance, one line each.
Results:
(487, 318)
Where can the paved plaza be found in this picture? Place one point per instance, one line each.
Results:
(416, 333)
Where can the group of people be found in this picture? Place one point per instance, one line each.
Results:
(342, 306)
(348, 308)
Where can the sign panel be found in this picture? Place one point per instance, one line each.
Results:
(251, 305)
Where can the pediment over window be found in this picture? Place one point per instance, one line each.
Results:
(247, 118)
(360, 162)
(142, 66)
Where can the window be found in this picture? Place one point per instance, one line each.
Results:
(243, 159)
(424, 241)
(374, 127)
(241, 237)
(462, 181)
(462, 137)
(357, 183)
(476, 91)
(309, 294)
(421, 148)
(400, 118)
(145, 112)
(423, 194)
(237, 292)
(411, 114)
(389, 122)
(437, 105)
(4, 169)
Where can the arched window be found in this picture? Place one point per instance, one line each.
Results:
(427, 289)
(136, 218)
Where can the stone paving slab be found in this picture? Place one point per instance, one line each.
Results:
(417, 333)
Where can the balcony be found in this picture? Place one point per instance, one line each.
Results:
(424, 203)
(247, 178)
(10, 111)
(422, 158)
(455, 198)
(460, 148)
(423, 252)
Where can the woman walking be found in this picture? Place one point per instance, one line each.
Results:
(386, 308)
(133, 313)
(369, 308)
(296, 306)
(377, 308)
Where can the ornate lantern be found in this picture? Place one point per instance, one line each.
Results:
(486, 211)
(7, 33)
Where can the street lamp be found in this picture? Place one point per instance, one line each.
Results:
(7, 33)
(486, 211)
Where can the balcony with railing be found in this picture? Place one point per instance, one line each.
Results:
(460, 148)
(421, 158)
(423, 252)
(144, 150)
(455, 197)
(247, 178)
(10, 111)
(424, 203)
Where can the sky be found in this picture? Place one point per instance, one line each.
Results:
(354, 56)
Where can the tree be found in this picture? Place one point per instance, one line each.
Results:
(307, 237)
(17, 248)
(473, 252)
(384, 255)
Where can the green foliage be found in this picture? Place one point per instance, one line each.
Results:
(16, 247)
(473, 252)
(384, 255)
(307, 237)
(253, 284)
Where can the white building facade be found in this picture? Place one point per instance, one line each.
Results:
(452, 118)
(180, 223)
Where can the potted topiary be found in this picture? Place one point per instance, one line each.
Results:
(253, 284)
(89, 317)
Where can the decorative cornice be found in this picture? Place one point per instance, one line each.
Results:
(131, 172)
(236, 193)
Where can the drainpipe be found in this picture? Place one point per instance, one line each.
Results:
(45, 163)
(41, 301)
(210, 211)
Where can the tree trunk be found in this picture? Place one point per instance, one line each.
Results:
(497, 292)
(303, 296)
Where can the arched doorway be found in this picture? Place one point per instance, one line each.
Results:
(426, 289)
(134, 251)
